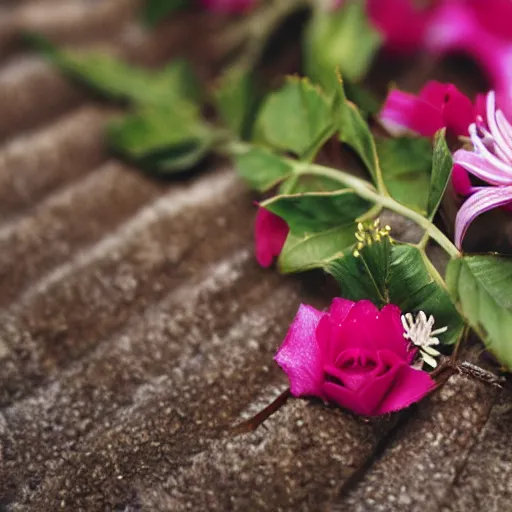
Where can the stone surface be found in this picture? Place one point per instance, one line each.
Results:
(136, 328)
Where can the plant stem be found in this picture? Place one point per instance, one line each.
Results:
(365, 190)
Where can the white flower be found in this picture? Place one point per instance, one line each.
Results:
(419, 331)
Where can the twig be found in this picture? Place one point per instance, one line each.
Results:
(253, 423)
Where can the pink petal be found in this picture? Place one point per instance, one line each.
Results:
(434, 92)
(345, 398)
(360, 329)
(481, 106)
(401, 24)
(404, 110)
(329, 328)
(327, 334)
(494, 16)
(456, 27)
(458, 111)
(484, 200)
(339, 309)
(391, 333)
(270, 232)
(486, 168)
(410, 386)
(461, 182)
(451, 27)
(367, 399)
(500, 129)
(299, 355)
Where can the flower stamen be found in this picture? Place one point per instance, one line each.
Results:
(368, 233)
(419, 331)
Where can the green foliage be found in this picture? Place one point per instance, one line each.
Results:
(316, 250)
(236, 100)
(297, 118)
(343, 39)
(362, 97)
(317, 211)
(261, 168)
(397, 274)
(321, 225)
(442, 164)
(156, 10)
(166, 132)
(300, 183)
(167, 139)
(354, 131)
(481, 286)
(405, 163)
(116, 79)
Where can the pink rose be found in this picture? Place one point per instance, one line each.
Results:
(270, 232)
(353, 355)
(229, 6)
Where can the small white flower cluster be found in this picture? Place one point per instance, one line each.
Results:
(419, 331)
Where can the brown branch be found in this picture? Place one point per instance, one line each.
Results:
(253, 423)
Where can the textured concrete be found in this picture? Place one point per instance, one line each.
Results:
(136, 328)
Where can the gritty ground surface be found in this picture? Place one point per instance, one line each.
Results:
(136, 329)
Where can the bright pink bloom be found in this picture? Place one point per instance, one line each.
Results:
(491, 162)
(353, 355)
(400, 22)
(478, 28)
(270, 232)
(437, 105)
(229, 6)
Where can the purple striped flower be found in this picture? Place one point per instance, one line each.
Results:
(491, 162)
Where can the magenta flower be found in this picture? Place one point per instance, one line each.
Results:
(270, 232)
(229, 6)
(478, 28)
(354, 355)
(400, 22)
(437, 105)
(491, 162)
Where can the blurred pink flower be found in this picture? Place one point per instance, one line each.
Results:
(478, 28)
(491, 162)
(353, 355)
(401, 23)
(270, 232)
(229, 6)
(437, 105)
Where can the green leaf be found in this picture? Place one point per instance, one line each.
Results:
(166, 139)
(405, 163)
(363, 98)
(236, 101)
(343, 39)
(156, 10)
(300, 183)
(481, 285)
(397, 274)
(317, 211)
(321, 223)
(296, 118)
(118, 80)
(315, 250)
(355, 132)
(262, 168)
(442, 164)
